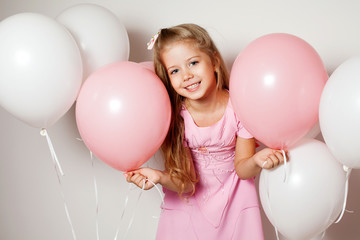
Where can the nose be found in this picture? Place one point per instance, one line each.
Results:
(188, 75)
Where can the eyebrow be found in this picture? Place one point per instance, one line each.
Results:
(170, 68)
(193, 57)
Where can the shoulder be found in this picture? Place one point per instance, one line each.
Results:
(241, 130)
(231, 111)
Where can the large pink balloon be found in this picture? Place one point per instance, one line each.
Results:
(148, 64)
(275, 87)
(123, 114)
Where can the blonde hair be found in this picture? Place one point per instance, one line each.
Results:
(177, 163)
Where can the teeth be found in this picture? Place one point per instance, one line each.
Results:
(193, 86)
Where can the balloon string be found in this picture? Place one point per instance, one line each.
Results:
(135, 207)
(96, 194)
(159, 191)
(65, 205)
(44, 133)
(268, 194)
(123, 212)
(348, 172)
(268, 203)
(58, 170)
(323, 234)
(96, 198)
(277, 233)
(285, 165)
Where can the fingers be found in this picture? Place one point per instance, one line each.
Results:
(279, 156)
(135, 178)
(267, 164)
(128, 176)
(273, 160)
(264, 163)
(138, 179)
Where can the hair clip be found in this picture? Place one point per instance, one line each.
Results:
(152, 41)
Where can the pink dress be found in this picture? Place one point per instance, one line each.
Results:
(223, 207)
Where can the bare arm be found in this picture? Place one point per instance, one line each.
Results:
(248, 162)
(140, 176)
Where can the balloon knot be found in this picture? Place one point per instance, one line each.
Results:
(43, 132)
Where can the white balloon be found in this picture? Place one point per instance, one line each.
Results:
(311, 198)
(40, 68)
(101, 36)
(339, 113)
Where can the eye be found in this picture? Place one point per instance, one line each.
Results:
(172, 72)
(193, 63)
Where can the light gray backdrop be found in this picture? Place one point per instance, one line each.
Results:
(31, 203)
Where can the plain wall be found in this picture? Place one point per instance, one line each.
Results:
(31, 203)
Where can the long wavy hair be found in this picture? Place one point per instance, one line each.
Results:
(177, 162)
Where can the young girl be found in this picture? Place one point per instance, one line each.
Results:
(210, 159)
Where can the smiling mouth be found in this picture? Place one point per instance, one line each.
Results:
(193, 86)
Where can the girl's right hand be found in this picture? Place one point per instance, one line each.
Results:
(142, 176)
(269, 158)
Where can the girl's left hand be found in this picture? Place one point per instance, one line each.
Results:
(141, 176)
(269, 158)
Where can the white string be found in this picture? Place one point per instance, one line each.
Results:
(348, 172)
(277, 233)
(158, 189)
(97, 210)
(65, 205)
(269, 204)
(285, 177)
(44, 133)
(135, 207)
(96, 198)
(70, 222)
(123, 212)
(125, 204)
(285, 165)
(323, 234)
(58, 170)
(96, 193)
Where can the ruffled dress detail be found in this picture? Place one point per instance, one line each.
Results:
(223, 206)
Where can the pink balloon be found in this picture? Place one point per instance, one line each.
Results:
(275, 88)
(123, 114)
(148, 64)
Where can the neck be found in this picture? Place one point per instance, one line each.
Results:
(207, 104)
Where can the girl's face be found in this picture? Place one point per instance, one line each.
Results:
(191, 71)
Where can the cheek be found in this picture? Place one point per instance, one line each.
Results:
(177, 87)
(175, 83)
